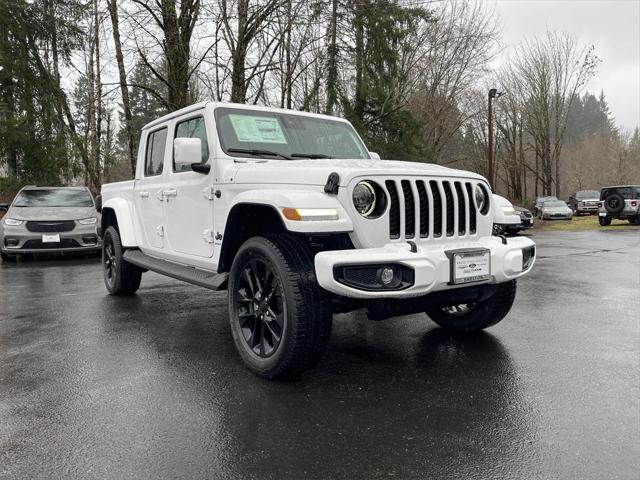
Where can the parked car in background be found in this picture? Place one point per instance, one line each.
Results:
(526, 220)
(555, 210)
(622, 202)
(504, 216)
(584, 201)
(537, 203)
(50, 220)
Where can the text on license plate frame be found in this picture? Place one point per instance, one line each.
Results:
(469, 266)
(51, 238)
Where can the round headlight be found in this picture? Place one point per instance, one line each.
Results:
(482, 199)
(364, 198)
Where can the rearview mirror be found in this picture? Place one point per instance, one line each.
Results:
(186, 151)
(374, 155)
(99, 203)
(4, 207)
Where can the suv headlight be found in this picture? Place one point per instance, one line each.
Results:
(88, 221)
(11, 222)
(482, 199)
(369, 199)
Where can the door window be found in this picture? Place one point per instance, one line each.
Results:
(192, 128)
(154, 159)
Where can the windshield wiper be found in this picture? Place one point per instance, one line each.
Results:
(310, 155)
(259, 153)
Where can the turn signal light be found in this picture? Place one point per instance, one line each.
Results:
(599, 204)
(312, 214)
(634, 203)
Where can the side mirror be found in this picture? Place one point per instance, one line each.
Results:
(374, 155)
(186, 151)
(98, 201)
(4, 207)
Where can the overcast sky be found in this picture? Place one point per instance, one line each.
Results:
(612, 26)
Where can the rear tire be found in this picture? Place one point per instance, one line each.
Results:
(475, 317)
(280, 317)
(120, 277)
(604, 221)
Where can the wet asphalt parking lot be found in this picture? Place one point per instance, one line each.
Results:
(93, 386)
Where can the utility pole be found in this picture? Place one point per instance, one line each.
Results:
(493, 93)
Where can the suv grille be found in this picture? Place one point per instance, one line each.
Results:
(430, 208)
(51, 227)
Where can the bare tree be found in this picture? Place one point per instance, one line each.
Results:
(550, 72)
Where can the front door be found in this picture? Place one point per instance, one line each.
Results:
(189, 202)
(148, 189)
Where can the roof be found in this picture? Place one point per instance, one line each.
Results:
(34, 187)
(202, 105)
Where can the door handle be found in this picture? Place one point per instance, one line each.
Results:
(170, 192)
(143, 194)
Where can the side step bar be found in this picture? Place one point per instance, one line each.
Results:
(202, 278)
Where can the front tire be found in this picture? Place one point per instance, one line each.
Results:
(120, 277)
(6, 258)
(604, 221)
(280, 317)
(477, 316)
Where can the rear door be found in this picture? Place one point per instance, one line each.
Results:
(189, 199)
(149, 186)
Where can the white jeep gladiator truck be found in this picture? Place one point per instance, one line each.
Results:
(293, 216)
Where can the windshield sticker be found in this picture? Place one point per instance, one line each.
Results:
(257, 129)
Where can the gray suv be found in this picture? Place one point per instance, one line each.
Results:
(49, 220)
(622, 202)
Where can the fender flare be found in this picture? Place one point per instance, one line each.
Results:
(280, 199)
(123, 212)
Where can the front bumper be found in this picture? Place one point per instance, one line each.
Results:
(20, 241)
(430, 264)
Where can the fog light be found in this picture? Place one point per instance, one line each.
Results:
(528, 254)
(386, 275)
(11, 242)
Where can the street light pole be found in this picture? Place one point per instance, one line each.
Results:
(492, 94)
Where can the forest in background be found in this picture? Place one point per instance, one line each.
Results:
(79, 78)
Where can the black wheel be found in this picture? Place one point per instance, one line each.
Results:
(614, 203)
(604, 221)
(120, 277)
(634, 220)
(7, 258)
(476, 316)
(280, 317)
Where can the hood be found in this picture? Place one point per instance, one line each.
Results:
(51, 213)
(316, 172)
(557, 209)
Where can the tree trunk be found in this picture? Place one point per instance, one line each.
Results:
(124, 90)
(332, 60)
(238, 57)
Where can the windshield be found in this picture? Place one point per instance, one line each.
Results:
(55, 197)
(589, 194)
(281, 135)
(555, 203)
(546, 199)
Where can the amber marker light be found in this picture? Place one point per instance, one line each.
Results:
(310, 214)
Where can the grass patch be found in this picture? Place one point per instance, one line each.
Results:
(587, 222)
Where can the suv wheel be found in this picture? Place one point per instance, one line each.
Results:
(120, 277)
(476, 316)
(280, 317)
(604, 221)
(614, 203)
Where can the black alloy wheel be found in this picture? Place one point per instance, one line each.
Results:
(261, 307)
(109, 262)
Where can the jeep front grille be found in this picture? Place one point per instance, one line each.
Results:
(430, 209)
